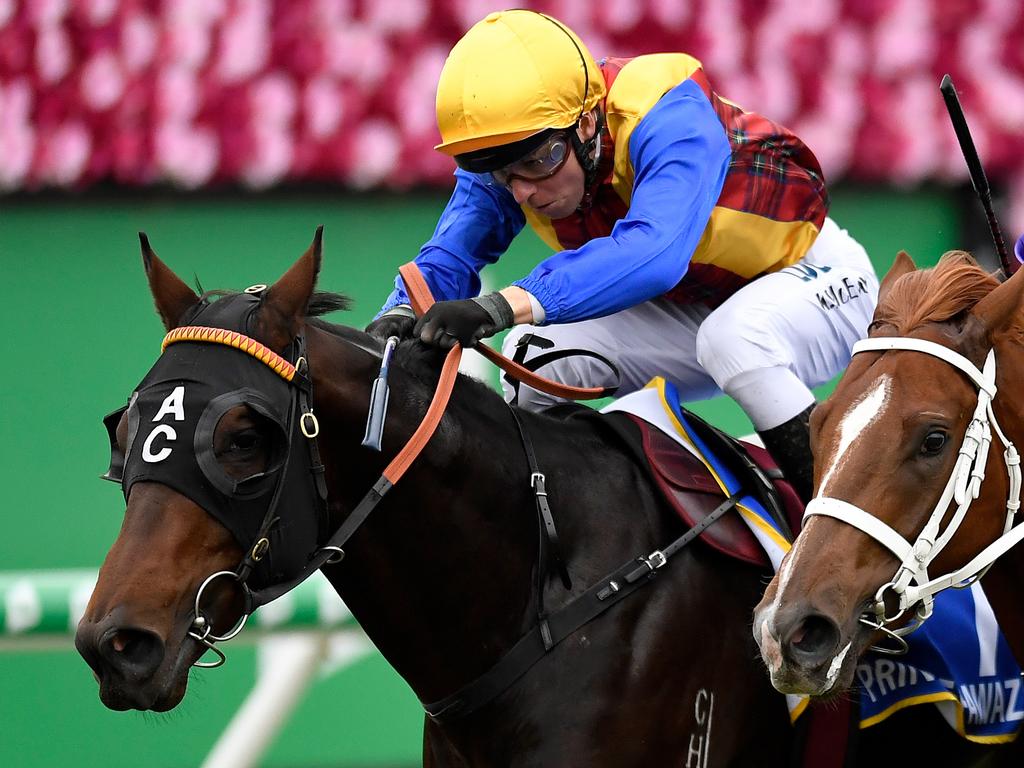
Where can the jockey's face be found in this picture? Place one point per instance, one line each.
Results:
(558, 195)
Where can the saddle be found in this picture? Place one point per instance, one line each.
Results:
(689, 489)
(823, 731)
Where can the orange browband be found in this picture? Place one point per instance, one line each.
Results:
(277, 364)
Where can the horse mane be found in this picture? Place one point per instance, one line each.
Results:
(942, 293)
(423, 363)
(420, 361)
(320, 303)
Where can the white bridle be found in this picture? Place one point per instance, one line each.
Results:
(911, 584)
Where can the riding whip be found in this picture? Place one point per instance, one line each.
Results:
(978, 178)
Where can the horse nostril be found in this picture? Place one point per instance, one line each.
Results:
(813, 640)
(135, 653)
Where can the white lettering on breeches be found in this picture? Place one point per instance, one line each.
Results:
(805, 318)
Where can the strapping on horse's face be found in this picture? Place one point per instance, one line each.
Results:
(217, 426)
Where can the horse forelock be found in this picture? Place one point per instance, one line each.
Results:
(936, 295)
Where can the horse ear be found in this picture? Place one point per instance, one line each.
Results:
(173, 297)
(901, 266)
(1002, 306)
(288, 298)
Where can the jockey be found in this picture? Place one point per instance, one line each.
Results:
(691, 238)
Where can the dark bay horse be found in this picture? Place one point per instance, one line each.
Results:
(443, 576)
(910, 494)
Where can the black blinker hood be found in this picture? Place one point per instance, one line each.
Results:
(172, 417)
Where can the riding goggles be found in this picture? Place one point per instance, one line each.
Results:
(542, 163)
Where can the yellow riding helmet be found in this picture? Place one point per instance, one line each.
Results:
(514, 75)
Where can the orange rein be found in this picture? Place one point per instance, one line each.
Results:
(419, 295)
(421, 300)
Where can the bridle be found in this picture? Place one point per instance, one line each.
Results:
(290, 486)
(911, 585)
(550, 627)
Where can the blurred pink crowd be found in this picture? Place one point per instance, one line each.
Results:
(259, 92)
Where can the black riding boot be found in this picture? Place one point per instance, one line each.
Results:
(790, 446)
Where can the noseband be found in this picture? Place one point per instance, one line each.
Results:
(911, 585)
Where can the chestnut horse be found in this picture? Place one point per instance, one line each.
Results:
(443, 576)
(914, 479)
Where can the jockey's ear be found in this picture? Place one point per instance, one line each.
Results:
(1002, 308)
(173, 297)
(588, 124)
(901, 266)
(284, 308)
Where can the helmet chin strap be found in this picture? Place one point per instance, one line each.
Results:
(588, 158)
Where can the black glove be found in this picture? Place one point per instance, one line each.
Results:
(397, 321)
(464, 320)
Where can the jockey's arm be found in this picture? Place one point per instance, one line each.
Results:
(475, 229)
(680, 156)
(525, 307)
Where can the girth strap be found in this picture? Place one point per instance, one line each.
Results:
(538, 482)
(533, 646)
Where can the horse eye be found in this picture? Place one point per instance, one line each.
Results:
(933, 442)
(245, 441)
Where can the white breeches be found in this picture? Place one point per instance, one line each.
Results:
(765, 346)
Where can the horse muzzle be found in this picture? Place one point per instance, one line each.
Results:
(132, 664)
(807, 653)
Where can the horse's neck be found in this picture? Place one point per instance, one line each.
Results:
(442, 567)
(442, 575)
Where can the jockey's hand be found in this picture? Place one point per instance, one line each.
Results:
(465, 321)
(397, 321)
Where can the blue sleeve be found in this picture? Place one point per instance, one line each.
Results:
(476, 227)
(680, 156)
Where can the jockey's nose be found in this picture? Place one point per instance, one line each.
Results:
(522, 190)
